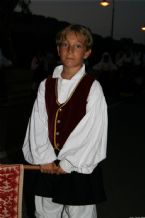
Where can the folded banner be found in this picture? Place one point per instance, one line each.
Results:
(11, 189)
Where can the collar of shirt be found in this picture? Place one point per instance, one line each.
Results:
(65, 87)
(77, 76)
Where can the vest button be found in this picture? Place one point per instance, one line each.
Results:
(58, 121)
(57, 133)
(60, 109)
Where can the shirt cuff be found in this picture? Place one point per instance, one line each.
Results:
(68, 167)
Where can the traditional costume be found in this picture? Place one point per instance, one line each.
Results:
(68, 125)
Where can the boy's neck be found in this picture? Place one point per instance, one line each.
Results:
(69, 73)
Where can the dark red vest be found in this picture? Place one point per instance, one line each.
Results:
(63, 118)
(70, 188)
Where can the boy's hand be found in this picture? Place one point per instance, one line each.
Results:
(48, 168)
(51, 168)
(60, 171)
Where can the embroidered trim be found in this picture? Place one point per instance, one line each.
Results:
(55, 122)
(11, 190)
(61, 105)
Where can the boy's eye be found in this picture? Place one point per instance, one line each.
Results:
(78, 46)
(75, 46)
(64, 44)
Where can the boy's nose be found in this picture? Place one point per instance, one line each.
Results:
(70, 49)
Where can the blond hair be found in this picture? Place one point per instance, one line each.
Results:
(77, 29)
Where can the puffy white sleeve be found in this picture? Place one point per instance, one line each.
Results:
(37, 148)
(86, 145)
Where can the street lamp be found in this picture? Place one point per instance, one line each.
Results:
(106, 3)
(143, 28)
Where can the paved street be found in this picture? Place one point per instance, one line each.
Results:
(123, 169)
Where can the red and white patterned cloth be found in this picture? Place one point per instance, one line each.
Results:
(11, 188)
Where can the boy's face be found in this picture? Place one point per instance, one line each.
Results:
(72, 51)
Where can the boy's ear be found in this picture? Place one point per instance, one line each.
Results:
(87, 53)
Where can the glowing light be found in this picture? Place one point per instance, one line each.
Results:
(143, 28)
(104, 3)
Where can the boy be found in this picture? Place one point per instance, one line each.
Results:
(67, 133)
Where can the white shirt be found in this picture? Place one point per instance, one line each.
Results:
(86, 145)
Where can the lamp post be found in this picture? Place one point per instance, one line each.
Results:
(106, 3)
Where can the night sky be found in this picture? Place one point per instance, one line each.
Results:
(129, 16)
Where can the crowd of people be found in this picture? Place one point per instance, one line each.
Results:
(120, 74)
(123, 74)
